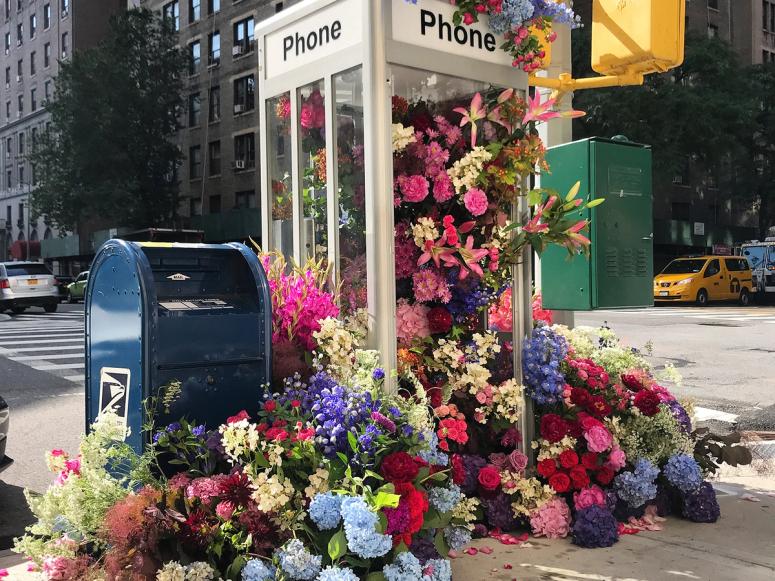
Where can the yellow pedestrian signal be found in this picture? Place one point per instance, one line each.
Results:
(637, 36)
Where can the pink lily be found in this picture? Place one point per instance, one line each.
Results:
(495, 114)
(471, 257)
(533, 226)
(475, 112)
(538, 111)
(576, 238)
(436, 251)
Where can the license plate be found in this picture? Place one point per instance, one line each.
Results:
(663, 293)
(32, 281)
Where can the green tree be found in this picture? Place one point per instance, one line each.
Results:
(108, 157)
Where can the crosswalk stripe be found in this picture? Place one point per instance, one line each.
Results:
(17, 329)
(59, 366)
(78, 355)
(50, 348)
(38, 342)
(38, 336)
(75, 377)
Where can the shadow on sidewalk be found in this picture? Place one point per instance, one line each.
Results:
(15, 515)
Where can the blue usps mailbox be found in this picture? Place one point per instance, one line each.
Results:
(198, 314)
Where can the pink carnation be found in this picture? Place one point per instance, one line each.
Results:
(429, 285)
(411, 321)
(442, 187)
(598, 439)
(413, 188)
(476, 201)
(590, 496)
(616, 459)
(552, 520)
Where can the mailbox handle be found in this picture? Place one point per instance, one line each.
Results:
(172, 366)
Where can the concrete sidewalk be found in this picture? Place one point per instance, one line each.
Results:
(740, 547)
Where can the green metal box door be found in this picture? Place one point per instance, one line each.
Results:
(619, 272)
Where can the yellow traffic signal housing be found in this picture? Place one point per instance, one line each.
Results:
(637, 36)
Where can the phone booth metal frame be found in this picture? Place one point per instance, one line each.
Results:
(376, 36)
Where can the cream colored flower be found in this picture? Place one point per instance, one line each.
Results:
(402, 136)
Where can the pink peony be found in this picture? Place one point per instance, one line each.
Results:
(476, 201)
(598, 439)
(442, 187)
(518, 461)
(616, 459)
(587, 497)
(411, 321)
(552, 520)
(413, 188)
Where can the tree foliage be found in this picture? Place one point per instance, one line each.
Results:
(108, 156)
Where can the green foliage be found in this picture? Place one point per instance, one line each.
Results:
(712, 450)
(108, 156)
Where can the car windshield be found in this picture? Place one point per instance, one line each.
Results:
(26, 269)
(755, 255)
(684, 267)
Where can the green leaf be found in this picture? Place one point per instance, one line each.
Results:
(534, 197)
(376, 576)
(384, 499)
(353, 441)
(441, 543)
(337, 546)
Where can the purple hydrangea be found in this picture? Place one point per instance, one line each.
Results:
(701, 505)
(472, 464)
(594, 527)
(424, 549)
(498, 512)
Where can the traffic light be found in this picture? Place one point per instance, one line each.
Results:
(637, 36)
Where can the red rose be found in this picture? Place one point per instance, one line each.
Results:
(598, 406)
(631, 381)
(589, 460)
(569, 459)
(439, 320)
(243, 415)
(579, 397)
(604, 475)
(647, 402)
(399, 467)
(553, 428)
(579, 477)
(587, 422)
(458, 469)
(547, 467)
(560, 482)
(270, 406)
(489, 478)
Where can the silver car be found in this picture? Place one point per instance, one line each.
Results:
(27, 284)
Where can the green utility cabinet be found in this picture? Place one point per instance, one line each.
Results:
(619, 272)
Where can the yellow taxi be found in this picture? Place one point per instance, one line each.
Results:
(701, 279)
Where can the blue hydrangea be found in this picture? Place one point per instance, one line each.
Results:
(325, 511)
(356, 513)
(445, 499)
(297, 562)
(542, 354)
(359, 528)
(406, 567)
(258, 570)
(557, 12)
(437, 570)
(337, 574)
(513, 14)
(430, 451)
(683, 472)
(639, 486)
(457, 537)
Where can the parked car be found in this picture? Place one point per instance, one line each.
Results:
(5, 461)
(705, 278)
(77, 289)
(62, 283)
(27, 284)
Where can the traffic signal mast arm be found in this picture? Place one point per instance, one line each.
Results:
(565, 83)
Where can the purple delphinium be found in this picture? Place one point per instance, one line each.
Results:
(542, 354)
(594, 527)
(701, 505)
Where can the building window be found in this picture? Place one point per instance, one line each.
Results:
(194, 10)
(171, 13)
(243, 36)
(47, 90)
(19, 34)
(712, 31)
(195, 162)
(65, 7)
(7, 77)
(215, 204)
(22, 181)
(214, 44)
(7, 9)
(8, 110)
(213, 6)
(214, 158)
(32, 63)
(194, 57)
(65, 45)
(772, 18)
(46, 16)
(9, 179)
(33, 25)
(19, 5)
(8, 147)
(46, 55)
(214, 105)
(245, 151)
(681, 210)
(195, 206)
(19, 70)
(33, 100)
(713, 4)
(21, 105)
(20, 141)
(245, 199)
(194, 110)
(244, 94)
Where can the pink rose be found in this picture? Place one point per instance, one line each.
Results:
(616, 459)
(590, 496)
(476, 201)
(307, 118)
(598, 439)
(498, 460)
(518, 461)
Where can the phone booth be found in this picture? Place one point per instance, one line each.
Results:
(329, 71)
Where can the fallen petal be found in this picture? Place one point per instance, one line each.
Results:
(471, 551)
(453, 554)
(750, 498)
(486, 550)
(508, 566)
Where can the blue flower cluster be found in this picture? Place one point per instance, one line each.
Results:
(337, 574)
(360, 529)
(639, 486)
(468, 296)
(457, 537)
(683, 472)
(325, 510)
(297, 562)
(594, 527)
(407, 567)
(542, 354)
(513, 14)
(430, 452)
(557, 12)
(258, 570)
(701, 505)
(445, 499)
